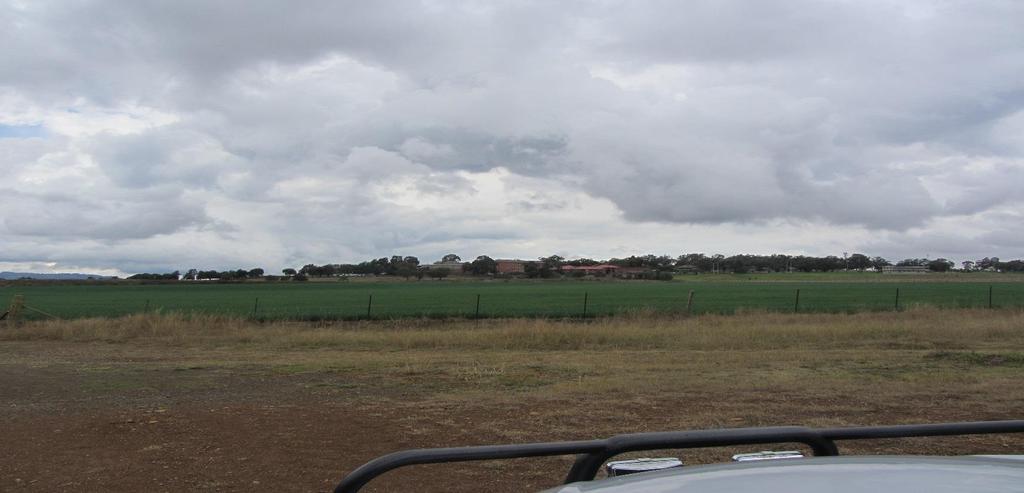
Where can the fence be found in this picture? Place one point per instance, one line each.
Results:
(316, 301)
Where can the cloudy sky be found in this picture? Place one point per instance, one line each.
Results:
(151, 136)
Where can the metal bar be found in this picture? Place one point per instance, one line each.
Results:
(925, 430)
(358, 478)
(591, 454)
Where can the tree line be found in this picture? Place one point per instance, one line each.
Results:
(546, 267)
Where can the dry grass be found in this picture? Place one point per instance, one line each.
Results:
(439, 383)
(923, 328)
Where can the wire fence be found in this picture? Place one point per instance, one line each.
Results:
(351, 301)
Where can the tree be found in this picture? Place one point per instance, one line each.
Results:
(549, 266)
(858, 261)
(192, 274)
(987, 263)
(406, 270)
(438, 273)
(451, 257)
(940, 265)
(255, 273)
(483, 265)
(289, 272)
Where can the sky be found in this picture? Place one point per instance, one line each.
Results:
(152, 136)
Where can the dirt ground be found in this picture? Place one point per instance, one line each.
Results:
(140, 416)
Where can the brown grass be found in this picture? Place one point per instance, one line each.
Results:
(419, 383)
(922, 328)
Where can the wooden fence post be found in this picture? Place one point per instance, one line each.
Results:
(17, 303)
(689, 303)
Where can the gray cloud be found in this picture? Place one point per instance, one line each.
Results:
(339, 130)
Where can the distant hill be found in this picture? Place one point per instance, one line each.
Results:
(60, 276)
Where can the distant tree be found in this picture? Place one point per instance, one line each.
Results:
(483, 265)
(438, 273)
(1011, 266)
(940, 265)
(406, 270)
(192, 274)
(858, 261)
(300, 277)
(413, 261)
(878, 262)
(255, 273)
(146, 276)
(289, 272)
(987, 263)
(968, 265)
(550, 266)
(451, 257)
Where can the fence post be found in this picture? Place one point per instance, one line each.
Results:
(796, 304)
(17, 303)
(147, 307)
(477, 315)
(990, 296)
(369, 305)
(585, 295)
(897, 299)
(255, 306)
(689, 303)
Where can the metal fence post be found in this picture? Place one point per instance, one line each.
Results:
(689, 303)
(585, 295)
(477, 315)
(796, 304)
(369, 305)
(990, 296)
(897, 299)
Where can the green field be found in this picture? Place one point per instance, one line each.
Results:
(350, 300)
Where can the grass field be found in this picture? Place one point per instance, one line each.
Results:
(450, 298)
(188, 403)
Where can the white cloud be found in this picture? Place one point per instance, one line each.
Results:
(235, 133)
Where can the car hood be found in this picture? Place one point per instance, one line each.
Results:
(876, 474)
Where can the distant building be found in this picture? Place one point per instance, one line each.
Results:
(603, 269)
(687, 269)
(451, 266)
(905, 269)
(632, 272)
(512, 266)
